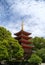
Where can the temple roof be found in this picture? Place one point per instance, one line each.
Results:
(23, 37)
(22, 32)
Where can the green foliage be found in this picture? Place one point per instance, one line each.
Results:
(3, 51)
(38, 42)
(41, 53)
(4, 34)
(15, 49)
(35, 59)
(9, 47)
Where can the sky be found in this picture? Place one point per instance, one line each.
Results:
(32, 12)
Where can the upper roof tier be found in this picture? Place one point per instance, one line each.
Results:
(23, 36)
(22, 32)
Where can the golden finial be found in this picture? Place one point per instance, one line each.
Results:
(22, 25)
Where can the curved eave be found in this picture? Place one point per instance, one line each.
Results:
(22, 36)
(22, 32)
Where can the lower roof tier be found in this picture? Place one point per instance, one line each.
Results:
(25, 41)
(24, 46)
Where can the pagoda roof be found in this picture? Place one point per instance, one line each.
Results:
(24, 41)
(22, 32)
(27, 46)
(22, 36)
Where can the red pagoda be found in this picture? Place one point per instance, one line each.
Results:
(23, 38)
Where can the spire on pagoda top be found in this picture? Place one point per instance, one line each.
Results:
(22, 25)
(22, 31)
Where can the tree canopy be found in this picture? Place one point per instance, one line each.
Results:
(39, 42)
(4, 33)
(35, 59)
(9, 47)
(41, 53)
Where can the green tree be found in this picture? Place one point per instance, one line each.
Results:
(38, 42)
(3, 51)
(35, 60)
(4, 34)
(9, 47)
(41, 53)
(15, 49)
